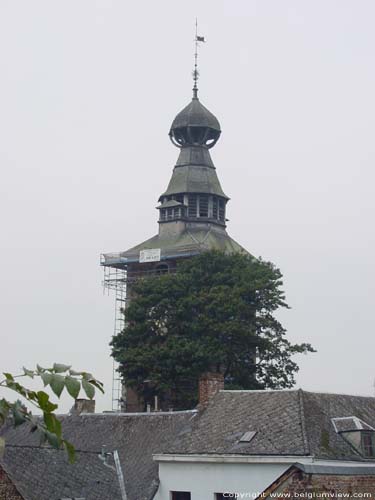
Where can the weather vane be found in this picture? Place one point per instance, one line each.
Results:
(197, 40)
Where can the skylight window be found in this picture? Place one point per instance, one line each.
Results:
(247, 437)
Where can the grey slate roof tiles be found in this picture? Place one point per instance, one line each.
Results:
(286, 423)
(195, 114)
(45, 474)
(292, 422)
(136, 437)
(189, 242)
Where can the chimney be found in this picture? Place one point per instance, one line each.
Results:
(209, 384)
(83, 406)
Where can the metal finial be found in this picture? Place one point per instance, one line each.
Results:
(196, 72)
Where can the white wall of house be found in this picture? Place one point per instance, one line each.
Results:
(203, 480)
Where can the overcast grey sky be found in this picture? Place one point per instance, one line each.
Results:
(88, 90)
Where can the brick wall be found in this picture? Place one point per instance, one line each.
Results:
(314, 484)
(7, 489)
(209, 384)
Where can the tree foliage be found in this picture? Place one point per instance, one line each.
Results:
(58, 378)
(215, 314)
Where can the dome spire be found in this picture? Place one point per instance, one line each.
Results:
(195, 71)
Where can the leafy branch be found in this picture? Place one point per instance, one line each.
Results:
(58, 378)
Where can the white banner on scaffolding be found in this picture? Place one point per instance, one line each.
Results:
(151, 255)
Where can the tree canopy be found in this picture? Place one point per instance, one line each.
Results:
(215, 314)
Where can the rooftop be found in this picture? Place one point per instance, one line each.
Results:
(45, 474)
(289, 423)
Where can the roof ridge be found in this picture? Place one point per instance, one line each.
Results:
(303, 422)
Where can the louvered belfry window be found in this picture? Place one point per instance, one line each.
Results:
(192, 203)
(203, 205)
(221, 210)
(214, 207)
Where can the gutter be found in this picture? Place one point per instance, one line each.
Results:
(298, 460)
(244, 459)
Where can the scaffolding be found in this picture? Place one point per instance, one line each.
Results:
(116, 279)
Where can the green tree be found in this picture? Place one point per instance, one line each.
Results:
(48, 426)
(216, 313)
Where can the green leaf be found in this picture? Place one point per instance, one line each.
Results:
(42, 399)
(97, 384)
(2, 446)
(88, 388)
(28, 373)
(57, 384)
(4, 410)
(18, 416)
(73, 386)
(60, 368)
(70, 450)
(53, 439)
(40, 369)
(44, 403)
(8, 376)
(53, 424)
(46, 377)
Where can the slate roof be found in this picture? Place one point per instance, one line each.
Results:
(195, 115)
(194, 179)
(194, 173)
(45, 474)
(189, 242)
(286, 423)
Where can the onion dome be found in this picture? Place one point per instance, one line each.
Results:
(195, 125)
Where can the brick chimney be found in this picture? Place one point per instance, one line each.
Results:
(83, 406)
(209, 384)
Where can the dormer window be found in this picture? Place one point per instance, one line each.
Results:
(368, 443)
(357, 433)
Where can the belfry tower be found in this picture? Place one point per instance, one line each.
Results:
(192, 219)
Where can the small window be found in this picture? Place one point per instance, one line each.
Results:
(180, 495)
(162, 214)
(221, 210)
(214, 208)
(169, 213)
(192, 201)
(247, 437)
(162, 269)
(179, 198)
(203, 206)
(177, 212)
(368, 443)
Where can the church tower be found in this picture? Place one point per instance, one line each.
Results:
(192, 219)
